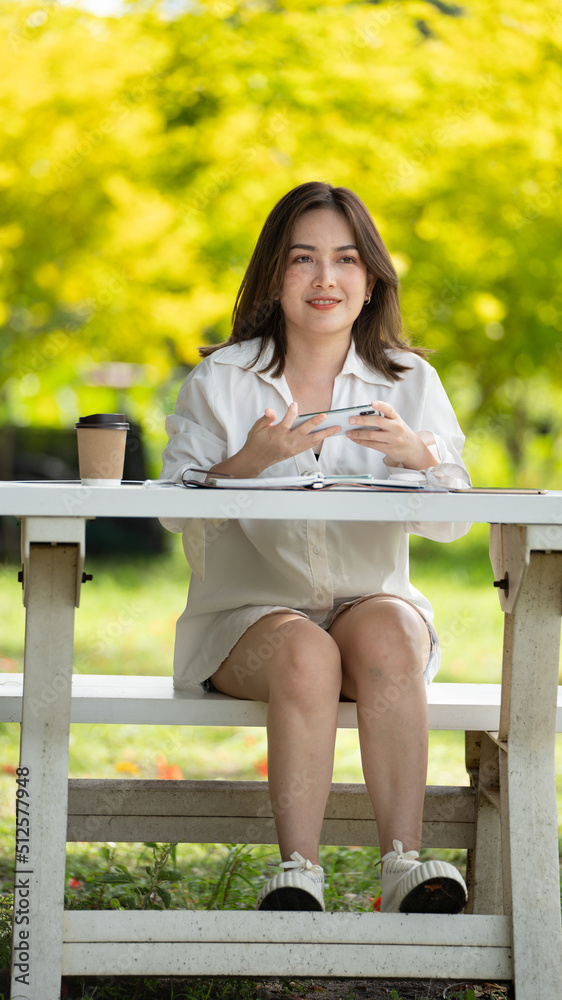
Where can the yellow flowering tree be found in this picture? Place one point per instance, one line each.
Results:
(140, 154)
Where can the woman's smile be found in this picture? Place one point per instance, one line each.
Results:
(323, 303)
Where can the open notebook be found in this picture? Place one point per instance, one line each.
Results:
(314, 481)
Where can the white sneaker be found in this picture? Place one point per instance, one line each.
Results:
(410, 886)
(300, 887)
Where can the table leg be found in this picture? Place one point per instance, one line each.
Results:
(41, 817)
(531, 867)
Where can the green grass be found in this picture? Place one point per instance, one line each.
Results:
(125, 624)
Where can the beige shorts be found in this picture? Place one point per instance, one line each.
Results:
(434, 657)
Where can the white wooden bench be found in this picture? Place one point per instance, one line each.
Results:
(202, 811)
(210, 811)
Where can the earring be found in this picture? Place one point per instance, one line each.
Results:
(367, 300)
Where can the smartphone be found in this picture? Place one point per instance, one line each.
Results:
(339, 418)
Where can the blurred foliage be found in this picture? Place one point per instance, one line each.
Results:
(140, 154)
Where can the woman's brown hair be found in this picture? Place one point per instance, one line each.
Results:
(257, 312)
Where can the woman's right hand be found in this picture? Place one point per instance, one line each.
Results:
(269, 443)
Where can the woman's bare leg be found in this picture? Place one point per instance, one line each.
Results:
(384, 645)
(294, 665)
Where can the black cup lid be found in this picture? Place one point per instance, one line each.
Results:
(114, 421)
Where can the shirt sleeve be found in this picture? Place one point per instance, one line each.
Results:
(196, 437)
(443, 436)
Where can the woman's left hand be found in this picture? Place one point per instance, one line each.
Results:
(391, 436)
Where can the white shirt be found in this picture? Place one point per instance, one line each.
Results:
(250, 567)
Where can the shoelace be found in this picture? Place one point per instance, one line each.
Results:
(302, 864)
(399, 853)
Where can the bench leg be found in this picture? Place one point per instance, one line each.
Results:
(484, 871)
(43, 773)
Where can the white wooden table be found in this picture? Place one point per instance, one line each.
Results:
(526, 553)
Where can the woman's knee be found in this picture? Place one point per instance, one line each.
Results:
(387, 639)
(307, 665)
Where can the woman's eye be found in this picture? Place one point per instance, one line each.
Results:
(348, 260)
(303, 257)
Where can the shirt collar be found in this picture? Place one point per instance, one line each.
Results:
(354, 365)
(245, 355)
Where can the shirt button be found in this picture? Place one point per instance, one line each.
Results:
(316, 550)
(320, 595)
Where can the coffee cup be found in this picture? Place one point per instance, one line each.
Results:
(101, 448)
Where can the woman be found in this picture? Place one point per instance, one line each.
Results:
(301, 614)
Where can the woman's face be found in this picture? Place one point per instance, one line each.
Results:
(325, 282)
